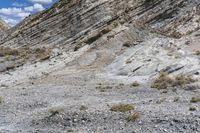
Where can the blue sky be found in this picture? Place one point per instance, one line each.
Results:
(13, 11)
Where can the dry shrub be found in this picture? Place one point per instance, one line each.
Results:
(135, 84)
(197, 52)
(1, 100)
(133, 117)
(8, 52)
(192, 109)
(195, 99)
(83, 108)
(164, 81)
(122, 108)
(42, 53)
(56, 110)
(22, 55)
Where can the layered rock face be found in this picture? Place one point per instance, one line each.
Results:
(77, 21)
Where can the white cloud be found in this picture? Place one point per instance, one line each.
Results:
(16, 4)
(41, 1)
(20, 10)
(35, 7)
(9, 20)
(17, 12)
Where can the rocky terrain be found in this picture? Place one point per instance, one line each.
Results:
(103, 66)
(3, 25)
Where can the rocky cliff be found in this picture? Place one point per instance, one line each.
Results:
(75, 21)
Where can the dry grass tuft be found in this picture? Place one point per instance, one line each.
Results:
(42, 53)
(55, 110)
(197, 52)
(164, 81)
(192, 109)
(20, 56)
(103, 88)
(135, 84)
(1, 100)
(195, 99)
(128, 61)
(5, 51)
(122, 108)
(133, 117)
(83, 108)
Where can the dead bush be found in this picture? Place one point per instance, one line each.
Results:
(133, 117)
(163, 81)
(8, 52)
(122, 108)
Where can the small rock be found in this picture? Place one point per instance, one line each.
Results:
(165, 130)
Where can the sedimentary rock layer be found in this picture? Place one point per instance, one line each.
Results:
(69, 22)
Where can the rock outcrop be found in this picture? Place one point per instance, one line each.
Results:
(82, 21)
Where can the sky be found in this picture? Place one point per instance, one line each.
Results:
(13, 11)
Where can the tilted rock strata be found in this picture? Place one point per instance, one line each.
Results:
(76, 22)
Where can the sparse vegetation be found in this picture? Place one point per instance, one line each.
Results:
(56, 110)
(195, 99)
(128, 61)
(192, 108)
(121, 84)
(70, 130)
(135, 84)
(103, 88)
(25, 52)
(4, 51)
(1, 100)
(198, 52)
(183, 80)
(42, 53)
(164, 81)
(133, 117)
(122, 108)
(83, 108)
(176, 34)
(127, 44)
(176, 99)
(98, 35)
(77, 47)
(159, 101)
(20, 56)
